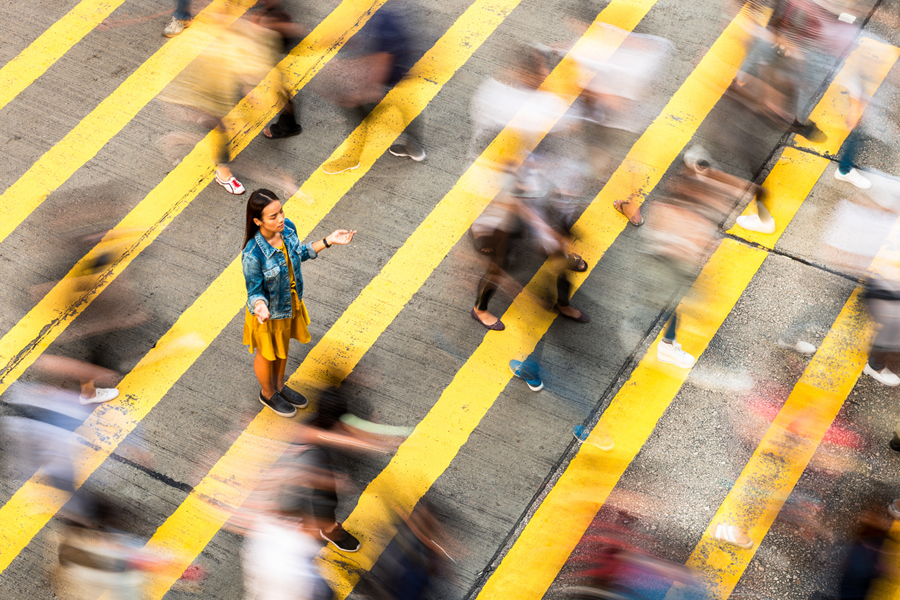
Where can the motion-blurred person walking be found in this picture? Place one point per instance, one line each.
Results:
(389, 54)
(181, 19)
(882, 297)
(524, 201)
(681, 234)
(240, 56)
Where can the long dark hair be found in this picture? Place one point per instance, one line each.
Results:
(257, 202)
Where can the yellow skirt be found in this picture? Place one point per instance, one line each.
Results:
(273, 337)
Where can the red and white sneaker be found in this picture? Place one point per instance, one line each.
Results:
(231, 185)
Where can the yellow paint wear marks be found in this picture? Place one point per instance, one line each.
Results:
(50, 46)
(781, 457)
(545, 544)
(86, 139)
(829, 115)
(32, 506)
(790, 442)
(21, 346)
(190, 528)
(549, 538)
(424, 456)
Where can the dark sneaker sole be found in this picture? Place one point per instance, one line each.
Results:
(333, 543)
(280, 414)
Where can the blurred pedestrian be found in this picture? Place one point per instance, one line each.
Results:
(279, 554)
(681, 234)
(238, 59)
(882, 298)
(181, 20)
(524, 201)
(407, 568)
(275, 310)
(272, 15)
(771, 78)
(859, 79)
(96, 557)
(41, 430)
(390, 54)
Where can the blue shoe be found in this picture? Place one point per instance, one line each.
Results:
(603, 442)
(581, 433)
(533, 380)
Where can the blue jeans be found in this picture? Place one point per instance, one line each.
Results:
(848, 151)
(183, 10)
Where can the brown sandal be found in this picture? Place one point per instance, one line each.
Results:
(631, 210)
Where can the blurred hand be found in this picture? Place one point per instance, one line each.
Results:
(261, 311)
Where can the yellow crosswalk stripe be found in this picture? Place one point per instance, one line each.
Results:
(188, 522)
(21, 346)
(86, 139)
(545, 544)
(32, 505)
(196, 521)
(35, 503)
(50, 46)
(788, 445)
(829, 115)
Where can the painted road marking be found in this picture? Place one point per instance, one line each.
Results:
(110, 423)
(50, 46)
(34, 504)
(195, 522)
(187, 523)
(21, 346)
(829, 115)
(557, 526)
(86, 139)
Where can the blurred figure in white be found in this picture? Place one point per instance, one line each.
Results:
(96, 556)
(683, 231)
(617, 71)
(279, 552)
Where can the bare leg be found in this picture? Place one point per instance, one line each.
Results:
(265, 373)
(87, 389)
(278, 373)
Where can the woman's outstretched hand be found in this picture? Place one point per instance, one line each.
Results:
(261, 311)
(341, 237)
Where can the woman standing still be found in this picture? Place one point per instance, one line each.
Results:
(275, 310)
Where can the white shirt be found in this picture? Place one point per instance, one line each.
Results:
(278, 562)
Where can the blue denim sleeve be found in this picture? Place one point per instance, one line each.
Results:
(307, 252)
(253, 277)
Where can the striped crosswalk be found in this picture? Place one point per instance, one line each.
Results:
(540, 550)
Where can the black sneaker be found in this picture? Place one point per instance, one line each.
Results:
(895, 443)
(340, 538)
(294, 397)
(278, 404)
(408, 147)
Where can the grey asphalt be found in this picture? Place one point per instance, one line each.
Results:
(525, 439)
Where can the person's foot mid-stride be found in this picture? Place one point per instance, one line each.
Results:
(669, 351)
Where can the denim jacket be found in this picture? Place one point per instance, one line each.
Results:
(266, 274)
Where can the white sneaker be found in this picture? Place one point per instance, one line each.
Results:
(674, 355)
(854, 177)
(102, 395)
(753, 223)
(883, 376)
(176, 26)
(800, 347)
